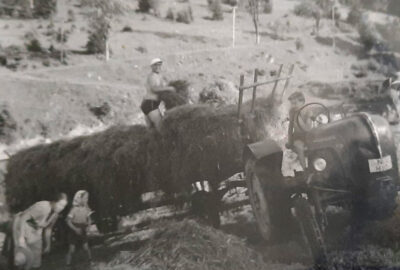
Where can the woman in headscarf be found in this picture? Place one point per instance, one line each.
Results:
(78, 220)
(31, 228)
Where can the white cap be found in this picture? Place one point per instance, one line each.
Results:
(155, 61)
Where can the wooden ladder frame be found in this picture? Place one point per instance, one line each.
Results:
(255, 84)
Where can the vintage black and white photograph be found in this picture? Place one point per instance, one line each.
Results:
(199, 134)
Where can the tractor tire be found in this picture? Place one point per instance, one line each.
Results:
(311, 232)
(271, 207)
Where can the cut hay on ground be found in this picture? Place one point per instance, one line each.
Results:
(188, 245)
(106, 164)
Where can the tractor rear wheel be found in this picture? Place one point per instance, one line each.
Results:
(311, 231)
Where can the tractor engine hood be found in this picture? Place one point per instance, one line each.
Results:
(370, 134)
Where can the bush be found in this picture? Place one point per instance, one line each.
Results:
(216, 10)
(109, 7)
(71, 15)
(127, 29)
(182, 14)
(170, 14)
(185, 15)
(227, 2)
(369, 36)
(44, 8)
(16, 8)
(267, 6)
(62, 36)
(34, 46)
(305, 9)
(355, 16)
(146, 5)
(98, 36)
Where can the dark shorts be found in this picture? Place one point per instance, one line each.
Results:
(77, 239)
(149, 105)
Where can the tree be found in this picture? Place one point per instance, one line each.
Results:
(255, 7)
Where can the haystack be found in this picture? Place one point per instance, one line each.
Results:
(188, 245)
(106, 164)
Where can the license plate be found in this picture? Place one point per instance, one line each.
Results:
(380, 164)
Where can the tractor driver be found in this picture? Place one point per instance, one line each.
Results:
(296, 136)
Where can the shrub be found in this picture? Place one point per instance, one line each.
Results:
(227, 2)
(355, 16)
(267, 6)
(34, 46)
(369, 36)
(62, 36)
(71, 15)
(170, 14)
(141, 49)
(98, 36)
(305, 9)
(216, 10)
(109, 7)
(127, 29)
(146, 5)
(185, 15)
(44, 8)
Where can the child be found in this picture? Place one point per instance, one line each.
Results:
(296, 136)
(78, 220)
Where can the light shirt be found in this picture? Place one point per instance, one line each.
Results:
(41, 214)
(154, 81)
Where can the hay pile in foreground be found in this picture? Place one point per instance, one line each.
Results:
(187, 245)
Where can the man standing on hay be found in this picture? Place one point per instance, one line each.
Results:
(155, 84)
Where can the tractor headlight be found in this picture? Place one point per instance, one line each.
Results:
(319, 164)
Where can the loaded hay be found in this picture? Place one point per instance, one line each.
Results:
(177, 98)
(195, 143)
(200, 142)
(106, 164)
(188, 245)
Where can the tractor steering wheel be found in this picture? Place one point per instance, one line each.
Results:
(317, 117)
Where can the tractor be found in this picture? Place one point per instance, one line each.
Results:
(351, 164)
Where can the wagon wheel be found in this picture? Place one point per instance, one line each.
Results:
(258, 200)
(312, 232)
(269, 200)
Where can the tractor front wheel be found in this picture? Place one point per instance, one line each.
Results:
(311, 232)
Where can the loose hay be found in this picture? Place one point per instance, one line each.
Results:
(177, 98)
(188, 245)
